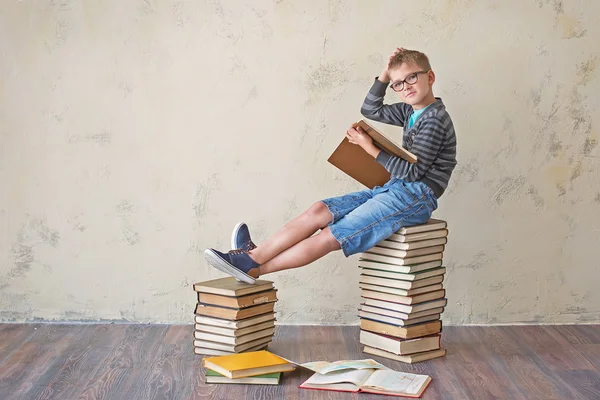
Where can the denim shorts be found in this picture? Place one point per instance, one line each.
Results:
(363, 219)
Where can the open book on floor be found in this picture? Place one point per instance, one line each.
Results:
(377, 381)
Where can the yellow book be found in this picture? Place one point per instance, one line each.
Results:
(248, 364)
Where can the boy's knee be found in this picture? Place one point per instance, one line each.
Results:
(319, 212)
(331, 240)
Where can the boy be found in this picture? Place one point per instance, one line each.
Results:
(357, 221)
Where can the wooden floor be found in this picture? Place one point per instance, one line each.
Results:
(52, 361)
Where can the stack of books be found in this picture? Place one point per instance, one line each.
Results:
(402, 295)
(233, 317)
(256, 367)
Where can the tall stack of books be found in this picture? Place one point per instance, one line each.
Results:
(402, 295)
(233, 317)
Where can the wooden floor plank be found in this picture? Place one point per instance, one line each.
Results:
(54, 361)
(34, 362)
(12, 336)
(165, 377)
(121, 369)
(86, 354)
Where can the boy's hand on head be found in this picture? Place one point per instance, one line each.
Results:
(384, 76)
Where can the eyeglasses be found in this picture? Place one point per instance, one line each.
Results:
(411, 80)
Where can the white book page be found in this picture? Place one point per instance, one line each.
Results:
(326, 367)
(356, 376)
(393, 381)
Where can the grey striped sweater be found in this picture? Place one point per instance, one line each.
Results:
(431, 139)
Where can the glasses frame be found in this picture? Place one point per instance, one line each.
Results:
(416, 74)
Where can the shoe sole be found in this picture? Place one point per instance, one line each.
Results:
(223, 266)
(234, 235)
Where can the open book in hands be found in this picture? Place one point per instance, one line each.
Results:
(360, 165)
(364, 376)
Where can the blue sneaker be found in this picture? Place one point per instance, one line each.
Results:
(236, 263)
(240, 237)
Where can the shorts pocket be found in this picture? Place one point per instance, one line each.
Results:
(405, 192)
(379, 189)
(419, 214)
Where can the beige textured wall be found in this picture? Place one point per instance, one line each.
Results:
(134, 134)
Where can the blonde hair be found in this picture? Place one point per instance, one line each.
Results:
(410, 57)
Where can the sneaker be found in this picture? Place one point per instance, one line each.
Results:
(240, 237)
(236, 263)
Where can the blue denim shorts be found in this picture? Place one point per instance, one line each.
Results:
(363, 219)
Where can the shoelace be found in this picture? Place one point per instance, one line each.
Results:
(238, 251)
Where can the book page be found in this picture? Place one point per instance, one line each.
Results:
(325, 367)
(398, 382)
(386, 143)
(357, 377)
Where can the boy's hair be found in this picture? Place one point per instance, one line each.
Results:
(410, 57)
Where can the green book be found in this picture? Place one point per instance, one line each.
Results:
(265, 379)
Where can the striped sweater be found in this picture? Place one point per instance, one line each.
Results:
(431, 139)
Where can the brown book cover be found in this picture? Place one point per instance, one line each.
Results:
(233, 313)
(399, 284)
(417, 276)
(386, 251)
(431, 225)
(409, 358)
(233, 348)
(405, 308)
(234, 332)
(397, 321)
(237, 324)
(392, 298)
(360, 165)
(401, 261)
(414, 237)
(402, 292)
(215, 352)
(403, 269)
(403, 332)
(399, 314)
(238, 302)
(390, 244)
(385, 143)
(232, 287)
(212, 337)
(400, 346)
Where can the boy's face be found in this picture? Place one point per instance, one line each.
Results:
(413, 93)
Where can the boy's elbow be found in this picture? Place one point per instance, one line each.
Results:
(366, 113)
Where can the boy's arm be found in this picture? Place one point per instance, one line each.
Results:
(426, 146)
(373, 107)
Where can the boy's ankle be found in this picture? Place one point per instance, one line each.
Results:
(254, 256)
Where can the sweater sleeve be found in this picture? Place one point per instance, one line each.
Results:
(426, 145)
(373, 107)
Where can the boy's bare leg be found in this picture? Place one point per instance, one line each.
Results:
(303, 253)
(303, 226)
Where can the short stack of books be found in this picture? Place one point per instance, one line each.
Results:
(233, 317)
(256, 367)
(402, 295)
